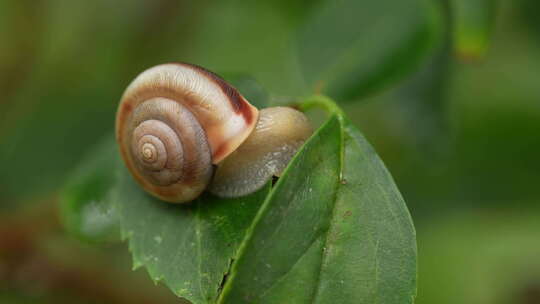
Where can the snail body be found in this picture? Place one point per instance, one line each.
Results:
(177, 121)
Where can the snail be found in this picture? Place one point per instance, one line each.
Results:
(182, 129)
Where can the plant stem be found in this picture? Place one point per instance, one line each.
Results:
(323, 102)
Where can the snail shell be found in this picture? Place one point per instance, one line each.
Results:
(173, 122)
(176, 120)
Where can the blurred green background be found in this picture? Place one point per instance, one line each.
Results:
(458, 126)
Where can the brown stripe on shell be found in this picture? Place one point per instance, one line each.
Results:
(237, 101)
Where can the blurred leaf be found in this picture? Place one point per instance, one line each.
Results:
(348, 49)
(64, 104)
(485, 256)
(249, 88)
(47, 141)
(473, 22)
(326, 238)
(86, 202)
(496, 117)
(497, 153)
(529, 15)
(252, 37)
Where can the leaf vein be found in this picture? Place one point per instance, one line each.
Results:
(324, 253)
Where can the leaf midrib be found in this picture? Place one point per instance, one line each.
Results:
(330, 224)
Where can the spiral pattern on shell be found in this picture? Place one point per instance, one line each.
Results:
(173, 122)
(169, 148)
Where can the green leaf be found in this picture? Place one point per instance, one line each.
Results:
(390, 244)
(335, 229)
(473, 23)
(189, 248)
(86, 202)
(351, 48)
